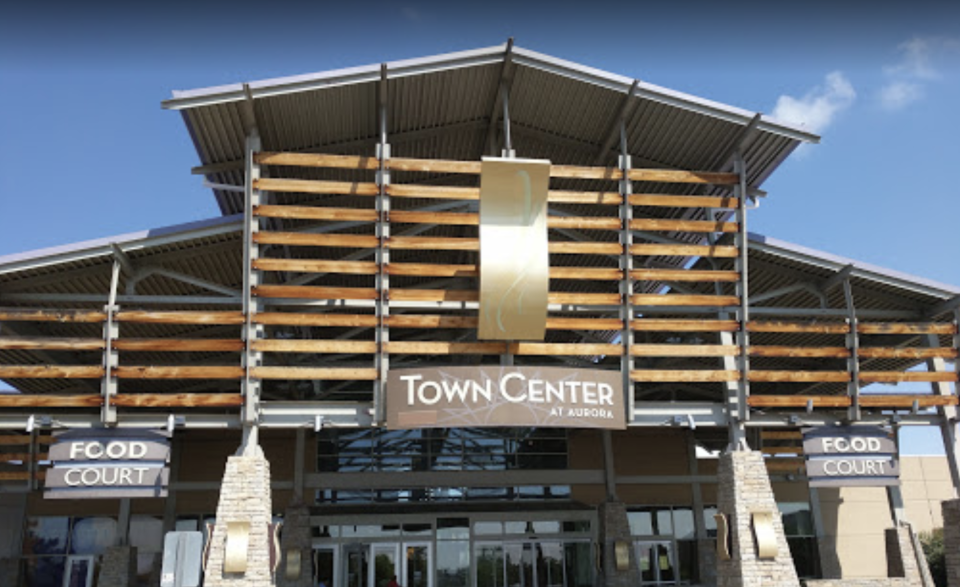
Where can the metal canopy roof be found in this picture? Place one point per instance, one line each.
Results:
(446, 106)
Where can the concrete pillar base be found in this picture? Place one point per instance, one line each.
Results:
(118, 568)
(951, 540)
(244, 497)
(744, 488)
(615, 527)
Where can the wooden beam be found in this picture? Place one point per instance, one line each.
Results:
(781, 434)
(315, 186)
(39, 315)
(799, 352)
(154, 372)
(906, 328)
(50, 372)
(683, 300)
(311, 292)
(50, 401)
(798, 401)
(316, 160)
(583, 248)
(317, 266)
(315, 346)
(674, 176)
(683, 201)
(209, 345)
(50, 344)
(316, 213)
(906, 400)
(431, 243)
(907, 353)
(445, 218)
(684, 250)
(143, 317)
(584, 197)
(799, 376)
(303, 319)
(22, 439)
(906, 376)
(656, 224)
(315, 373)
(684, 275)
(806, 327)
(354, 241)
(683, 350)
(7, 457)
(672, 325)
(683, 376)
(177, 400)
(432, 270)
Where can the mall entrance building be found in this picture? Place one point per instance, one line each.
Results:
(483, 319)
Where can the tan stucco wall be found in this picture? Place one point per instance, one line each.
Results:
(925, 482)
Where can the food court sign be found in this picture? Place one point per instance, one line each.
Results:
(839, 456)
(114, 463)
(505, 396)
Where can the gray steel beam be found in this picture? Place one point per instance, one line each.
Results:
(382, 303)
(617, 127)
(250, 386)
(506, 81)
(948, 415)
(853, 345)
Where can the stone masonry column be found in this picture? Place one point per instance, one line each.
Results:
(902, 559)
(951, 540)
(118, 567)
(614, 526)
(744, 488)
(296, 537)
(244, 497)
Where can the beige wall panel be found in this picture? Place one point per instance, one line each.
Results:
(918, 513)
(911, 468)
(862, 556)
(934, 468)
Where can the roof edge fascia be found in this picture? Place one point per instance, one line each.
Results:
(131, 241)
(860, 269)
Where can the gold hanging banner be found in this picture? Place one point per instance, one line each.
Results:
(514, 260)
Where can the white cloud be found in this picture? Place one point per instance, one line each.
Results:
(899, 94)
(817, 108)
(916, 58)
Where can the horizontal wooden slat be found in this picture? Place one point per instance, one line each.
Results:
(310, 373)
(40, 315)
(586, 273)
(433, 295)
(579, 172)
(177, 400)
(9, 457)
(432, 270)
(584, 223)
(315, 346)
(23, 439)
(678, 176)
(313, 186)
(565, 349)
(906, 401)
(784, 464)
(906, 376)
(50, 372)
(808, 327)
(142, 317)
(906, 353)
(798, 401)
(433, 243)
(314, 319)
(798, 352)
(310, 292)
(671, 325)
(799, 376)
(14, 475)
(584, 248)
(586, 299)
(50, 401)
(584, 197)
(179, 344)
(155, 372)
(433, 165)
(316, 213)
(441, 192)
(317, 266)
(781, 434)
(317, 160)
(684, 250)
(683, 376)
(905, 328)
(447, 348)
(683, 201)
(50, 344)
(656, 224)
(683, 350)
(781, 450)
(445, 218)
(683, 275)
(435, 321)
(683, 300)
(354, 241)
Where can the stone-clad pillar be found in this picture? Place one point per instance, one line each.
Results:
(244, 497)
(615, 527)
(951, 540)
(744, 488)
(296, 537)
(118, 567)
(903, 560)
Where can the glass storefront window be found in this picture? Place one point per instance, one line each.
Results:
(46, 535)
(683, 527)
(93, 535)
(453, 528)
(44, 571)
(453, 563)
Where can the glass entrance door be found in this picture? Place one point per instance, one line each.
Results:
(79, 572)
(537, 563)
(355, 571)
(657, 562)
(416, 565)
(383, 564)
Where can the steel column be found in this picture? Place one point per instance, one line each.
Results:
(853, 363)
(382, 303)
(111, 331)
(626, 266)
(947, 414)
(250, 387)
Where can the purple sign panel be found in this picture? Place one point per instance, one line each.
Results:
(505, 396)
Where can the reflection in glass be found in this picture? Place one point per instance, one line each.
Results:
(489, 565)
(323, 566)
(418, 567)
(46, 535)
(453, 563)
(384, 564)
(44, 571)
(93, 535)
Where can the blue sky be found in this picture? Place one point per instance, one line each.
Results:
(86, 151)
